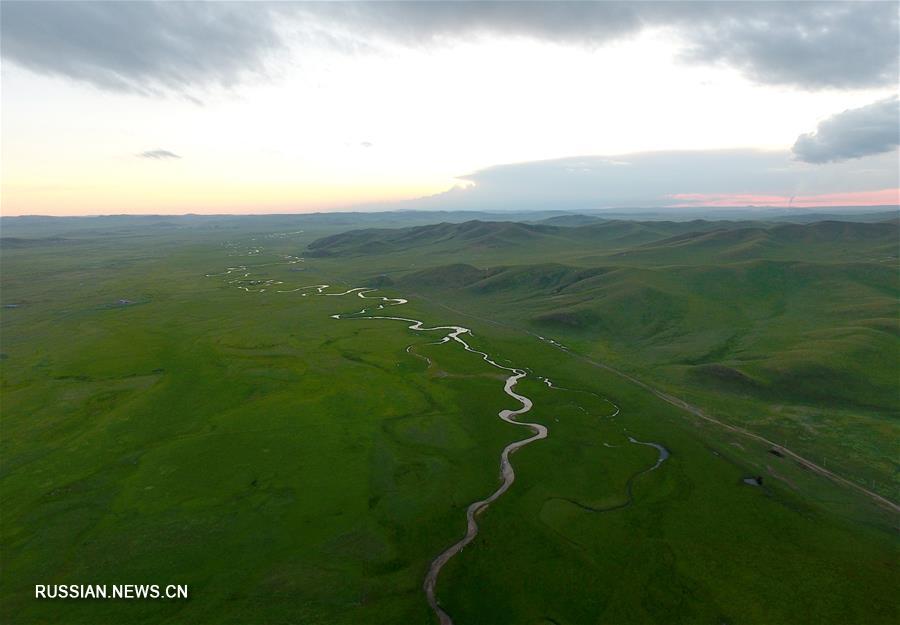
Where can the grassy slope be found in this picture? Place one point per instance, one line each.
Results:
(801, 346)
(796, 334)
(493, 239)
(292, 468)
(696, 546)
(825, 241)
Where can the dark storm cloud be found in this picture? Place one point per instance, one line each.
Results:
(147, 47)
(141, 47)
(870, 129)
(158, 155)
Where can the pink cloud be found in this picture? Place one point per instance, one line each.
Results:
(859, 198)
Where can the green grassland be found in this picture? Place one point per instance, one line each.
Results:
(161, 425)
(791, 328)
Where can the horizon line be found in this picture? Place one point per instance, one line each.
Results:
(799, 209)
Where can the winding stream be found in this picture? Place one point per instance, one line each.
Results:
(663, 452)
(455, 334)
(507, 473)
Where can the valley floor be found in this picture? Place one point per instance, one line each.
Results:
(279, 433)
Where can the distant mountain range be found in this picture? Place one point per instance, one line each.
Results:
(632, 241)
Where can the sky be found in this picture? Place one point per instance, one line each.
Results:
(180, 107)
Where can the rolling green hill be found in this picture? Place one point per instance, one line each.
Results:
(761, 314)
(467, 235)
(184, 402)
(505, 238)
(619, 242)
(827, 241)
(805, 350)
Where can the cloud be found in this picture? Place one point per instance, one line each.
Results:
(653, 179)
(871, 129)
(419, 23)
(808, 44)
(159, 155)
(153, 47)
(141, 47)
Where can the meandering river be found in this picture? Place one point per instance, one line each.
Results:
(507, 472)
(239, 276)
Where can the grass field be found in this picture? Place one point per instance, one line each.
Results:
(160, 424)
